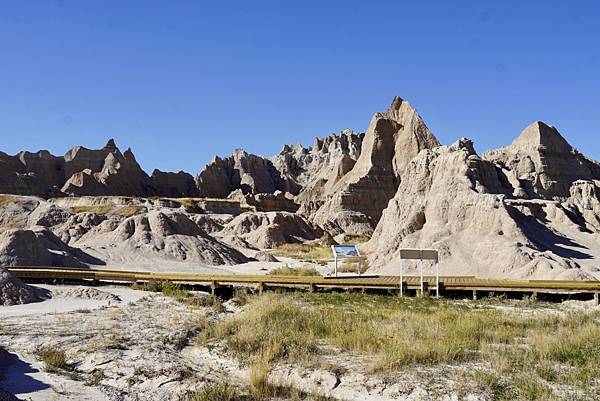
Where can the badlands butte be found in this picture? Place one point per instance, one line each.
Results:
(528, 210)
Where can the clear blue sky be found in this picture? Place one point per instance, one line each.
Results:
(181, 81)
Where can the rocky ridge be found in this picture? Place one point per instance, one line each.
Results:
(531, 209)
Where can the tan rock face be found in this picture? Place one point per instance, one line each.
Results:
(157, 235)
(310, 169)
(452, 200)
(358, 198)
(13, 292)
(585, 195)
(38, 246)
(249, 173)
(269, 230)
(542, 164)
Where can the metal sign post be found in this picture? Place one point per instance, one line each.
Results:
(420, 255)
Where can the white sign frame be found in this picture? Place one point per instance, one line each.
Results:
(420, 255)
(336, 256)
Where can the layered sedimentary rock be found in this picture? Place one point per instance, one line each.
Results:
(585, 196)
(174, 185)
(38, 246)
(14, 292)
(83, 171)
(157, 235)
(269, 230)
(355, 202)
(275, 202)
(327, 160)
(241, 171)
(120, 174)
(542, 164)
(452, 200)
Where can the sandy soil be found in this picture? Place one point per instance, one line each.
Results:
(143, 348)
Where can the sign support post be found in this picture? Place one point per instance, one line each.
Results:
(420, 255)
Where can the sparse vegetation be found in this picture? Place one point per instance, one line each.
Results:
(351, 266)
(7, 199)
(215, 392)
(95, 378)
(100, 209)
(305, 252)
(520, 356)
(128, 211)
(355, 239)
(291, 271)
(54, 358)
(174, 290)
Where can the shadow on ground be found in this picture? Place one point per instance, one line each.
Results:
(15, 377)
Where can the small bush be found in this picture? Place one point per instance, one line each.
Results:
(214, 392)
(54, 358)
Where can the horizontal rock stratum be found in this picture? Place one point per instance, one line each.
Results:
(530, 209)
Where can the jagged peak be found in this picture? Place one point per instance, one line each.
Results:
(538, 134)
(396, 103)
(110, 145)
(465, 144)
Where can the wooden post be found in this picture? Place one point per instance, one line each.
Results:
(312, 287)
(597, 298)
(260, 287)
(534, 296)
(474, 295)
(213, 288)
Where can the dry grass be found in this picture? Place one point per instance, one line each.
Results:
(355, 239)
(54, 358)
(99, 209)
(175, 291)
(520, 356)
(215, 392)
(351, 265)
(128, 211)
(7, 199)
(305, 252)
(304, 271)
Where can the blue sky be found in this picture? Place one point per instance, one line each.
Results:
(181, 81)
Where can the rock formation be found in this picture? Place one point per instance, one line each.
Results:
(83, 171)
(585, 196)
(269, 230)
(453, 200)
(542, 164)
(174, 185)
(247, 172)
(14, 292)
(275, 202)
(38, 246)
(154, 236)
(326, 161)
(355, 202)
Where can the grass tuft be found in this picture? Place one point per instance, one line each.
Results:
(303, 271)
(54, 358)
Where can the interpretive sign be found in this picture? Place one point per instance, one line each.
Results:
(346, 252)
